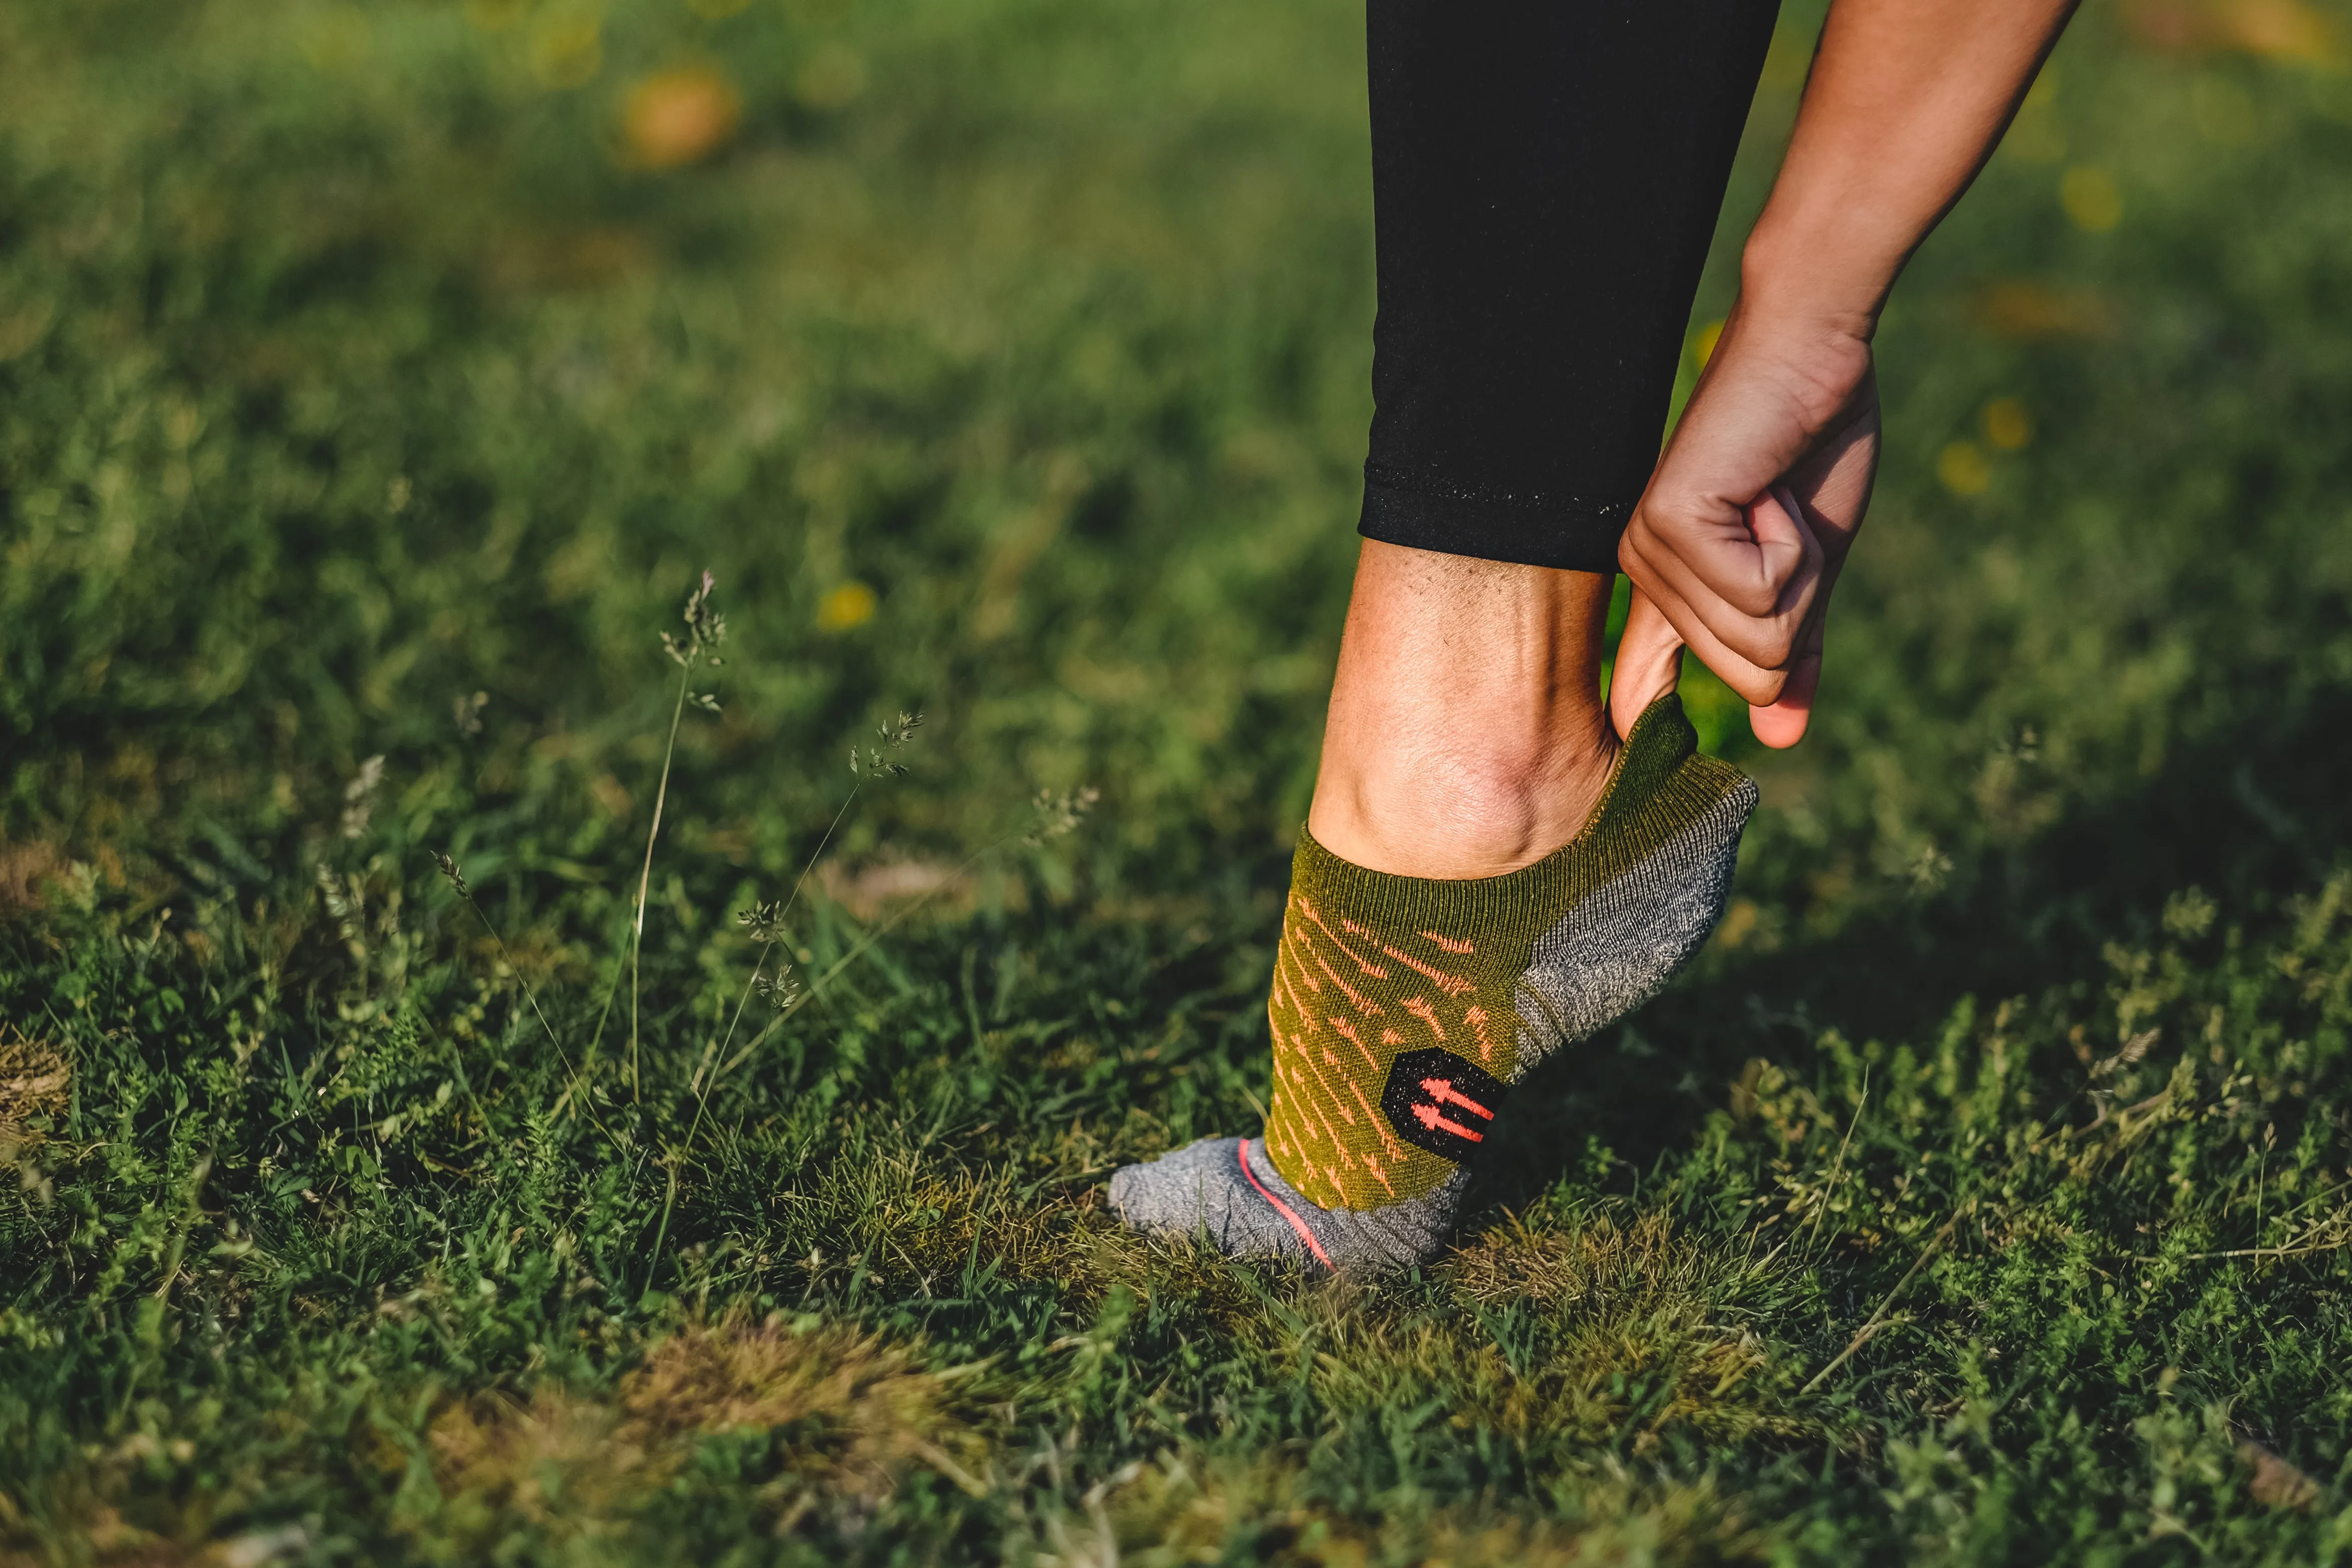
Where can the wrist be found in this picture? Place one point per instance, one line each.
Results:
(1801, 296)
(1802, 355)
(1829, 277)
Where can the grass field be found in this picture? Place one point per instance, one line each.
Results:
(375, 383)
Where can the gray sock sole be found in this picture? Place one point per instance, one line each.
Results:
(1619, 947)
(1226, 1191)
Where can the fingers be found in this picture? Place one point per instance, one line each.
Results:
(1835, 481)
(1750, 574)
(1788, 553)
(1834, 484)
(1754, 683)
(1649, 664)
(1751, 651)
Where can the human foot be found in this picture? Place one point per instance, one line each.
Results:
(1404, 1008)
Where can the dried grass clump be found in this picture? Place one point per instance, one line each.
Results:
(22, 869)
(2276, 1480)
(1190, 1509)
(1595, 1263)
(875, 1405)
(852, 1414)
(1631, 1328)
(35, 1081)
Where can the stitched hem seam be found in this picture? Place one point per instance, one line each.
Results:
(1553, 505)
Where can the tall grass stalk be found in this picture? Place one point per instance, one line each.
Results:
(766, 922)
(646, 876)
(774, 935)
(706, 630)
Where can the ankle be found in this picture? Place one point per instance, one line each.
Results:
(1478, 813)
(1466, 737)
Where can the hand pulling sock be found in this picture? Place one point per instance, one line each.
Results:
(1404, 1009)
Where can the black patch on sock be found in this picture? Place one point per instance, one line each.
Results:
(1438, 1101)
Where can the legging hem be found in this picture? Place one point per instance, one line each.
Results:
(1573, 533)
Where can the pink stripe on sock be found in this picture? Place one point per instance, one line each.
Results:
(1296, 1223)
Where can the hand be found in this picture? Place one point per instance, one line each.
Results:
(1746, 523)
(1739, 539)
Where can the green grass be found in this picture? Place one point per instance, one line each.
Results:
(1980, 1196)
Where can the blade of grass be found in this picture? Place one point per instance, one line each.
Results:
(646, 876)
(1873, 1325)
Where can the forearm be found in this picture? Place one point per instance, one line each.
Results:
(1906, 99)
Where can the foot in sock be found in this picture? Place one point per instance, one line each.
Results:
(1404, 1008)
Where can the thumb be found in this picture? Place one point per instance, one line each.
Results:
(1649, 664)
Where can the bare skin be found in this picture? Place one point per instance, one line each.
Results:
(1467, 734)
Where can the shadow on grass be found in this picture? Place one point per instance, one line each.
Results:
(2252, 813)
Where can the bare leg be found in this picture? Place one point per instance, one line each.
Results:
(1467, 736)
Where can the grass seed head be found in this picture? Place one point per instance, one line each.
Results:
(875, 762)
(359, 796)
(704, 625)
(764, 922)
(780, 989)
(1059, 812)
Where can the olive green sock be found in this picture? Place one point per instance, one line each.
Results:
(1403, 1010)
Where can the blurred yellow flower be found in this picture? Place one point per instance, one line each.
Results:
(848, 606)
(2007, 425)
(674, 117)
(1703, 343)
(567, 48)
(2028, 311)
(2090, 199)
(2036, 135)
(2274, 29)
(1963, 469)
(2281, 29)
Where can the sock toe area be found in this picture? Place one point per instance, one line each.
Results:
(1203, 1188)
(1229, 1191)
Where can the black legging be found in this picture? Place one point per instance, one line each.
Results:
(1546, 176)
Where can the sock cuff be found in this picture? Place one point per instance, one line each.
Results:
(1659, 784)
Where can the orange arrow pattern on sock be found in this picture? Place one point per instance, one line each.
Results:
(1329, 1008)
